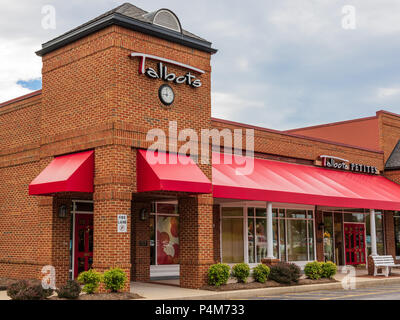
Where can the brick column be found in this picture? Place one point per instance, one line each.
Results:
(61, 236)
(217, 232)
(140, 243)
(112, 197)
(196, 240)
(45, 234)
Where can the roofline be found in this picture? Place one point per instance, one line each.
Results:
(295, 135)
(129, 23)
(21, 98)
(387, 112)
(332, 124)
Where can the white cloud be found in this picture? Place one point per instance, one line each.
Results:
(18, 62)
(388, 92)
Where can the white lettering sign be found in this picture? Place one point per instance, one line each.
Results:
(122, 223)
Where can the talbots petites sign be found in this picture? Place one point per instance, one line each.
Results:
(343, 164)
(162, 73)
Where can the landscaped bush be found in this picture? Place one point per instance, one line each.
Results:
(329, 269)
(218, 274)
(285, 273)
(28, 290)
(114, 279)
(313, 270)
(91, 280)
(70, 291)
(261, 273)
(241, 272)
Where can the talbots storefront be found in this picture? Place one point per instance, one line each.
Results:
(79, 190)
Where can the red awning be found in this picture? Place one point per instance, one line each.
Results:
(181, 175)
(293, 183)
(70, 173)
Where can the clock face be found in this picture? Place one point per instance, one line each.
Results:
(166, 94)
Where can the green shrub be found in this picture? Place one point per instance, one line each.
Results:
(91, 280)
(28, 290)
(285, 273)
(261, 273)
(241, 272)
(313, 270)
(70, 291)
(218, 274)
(329, 269)
(114, 279)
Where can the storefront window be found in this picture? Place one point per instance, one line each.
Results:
(164, 234)
(354, 217)
(251, 240)
(167, 240)
(293, 235)
(232, 240)
(297, 240)
(380, 238)
(328, 237)
(232, 235)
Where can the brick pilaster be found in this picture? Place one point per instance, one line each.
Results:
(112, 197)
(196, 240)
(140, 247)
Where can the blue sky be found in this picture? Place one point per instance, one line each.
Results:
(281, 64)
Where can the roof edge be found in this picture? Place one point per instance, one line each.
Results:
(129, 23)
(21, 98)
(332, 124)
(285, 133)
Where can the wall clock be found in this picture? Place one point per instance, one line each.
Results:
(166, 95)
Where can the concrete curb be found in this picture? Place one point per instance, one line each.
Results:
(242, 294)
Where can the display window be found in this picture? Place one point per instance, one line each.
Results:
(164, 226)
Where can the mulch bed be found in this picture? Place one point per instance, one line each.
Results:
(268, 284)
(4, 283)
(105, 296)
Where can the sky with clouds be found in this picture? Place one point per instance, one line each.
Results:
(281, 64)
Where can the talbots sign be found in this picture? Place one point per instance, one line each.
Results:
(162, 70)
(342, 164)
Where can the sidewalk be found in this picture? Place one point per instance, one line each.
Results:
(169, 290)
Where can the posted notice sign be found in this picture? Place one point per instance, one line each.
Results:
(122, 223)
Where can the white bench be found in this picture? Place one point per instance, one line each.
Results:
(384, 262)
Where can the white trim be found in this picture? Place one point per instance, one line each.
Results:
(336, 158)
(145, 56)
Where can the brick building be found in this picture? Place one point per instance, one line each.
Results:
(78, 190)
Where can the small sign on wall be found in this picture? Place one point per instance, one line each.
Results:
(122, 223)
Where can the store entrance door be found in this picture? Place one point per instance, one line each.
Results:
(354, 235)
(83, 243)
